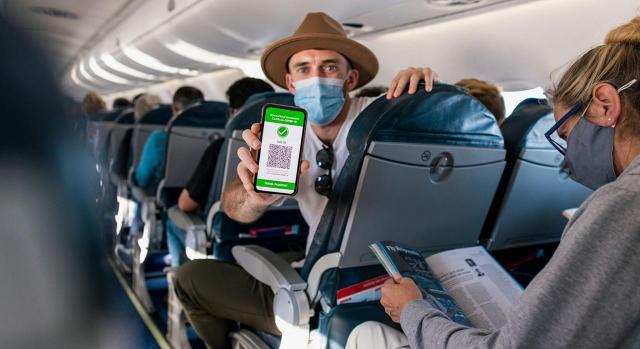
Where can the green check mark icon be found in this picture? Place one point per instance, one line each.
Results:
(283, 131)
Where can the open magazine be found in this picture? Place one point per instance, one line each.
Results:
(469, 285)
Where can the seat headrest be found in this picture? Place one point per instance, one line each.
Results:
(446, 115)
(206, 114)
(110, 115)
(250, 113)
(526, 126)
(126, 117)
(159, 115)
(256, 96)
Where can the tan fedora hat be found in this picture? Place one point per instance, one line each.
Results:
(318, 31)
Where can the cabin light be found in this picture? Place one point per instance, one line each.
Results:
(100, 72)
(452, 2)
(153, 63)
(114, 64)
(248, 66)
(357, 27)
(77, 81)
(85, 74)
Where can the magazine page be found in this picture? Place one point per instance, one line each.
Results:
(481, 287)
(399, 260)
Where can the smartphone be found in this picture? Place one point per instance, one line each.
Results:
(283, 130)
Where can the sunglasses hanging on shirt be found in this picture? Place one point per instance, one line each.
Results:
(324, 160)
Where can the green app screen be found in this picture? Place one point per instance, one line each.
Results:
(280, 152)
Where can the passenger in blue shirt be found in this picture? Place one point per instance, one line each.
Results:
(149, 171)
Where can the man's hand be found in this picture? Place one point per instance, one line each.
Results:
(412, 76)
(395, 296)
(248, 167)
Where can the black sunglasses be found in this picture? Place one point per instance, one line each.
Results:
(324, 160)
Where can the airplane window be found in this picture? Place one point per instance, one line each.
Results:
(513, 98)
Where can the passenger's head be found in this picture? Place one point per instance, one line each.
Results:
(93, 104)
(184, 97)
(487, 93)
(242, 89)
(590, 87)
(319, 59)
(371, 91)
(144, 103)
(135, 98)
(120, 103)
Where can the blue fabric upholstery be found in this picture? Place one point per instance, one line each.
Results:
(205, 114)
(126, 117)
(157, 116)
(446, 115)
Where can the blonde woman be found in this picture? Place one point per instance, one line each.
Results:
(587, 296)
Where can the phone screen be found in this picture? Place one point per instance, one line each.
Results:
(282, 135)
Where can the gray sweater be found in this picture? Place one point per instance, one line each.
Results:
(588, 295)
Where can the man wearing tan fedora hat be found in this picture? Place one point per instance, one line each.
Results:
(320, 65)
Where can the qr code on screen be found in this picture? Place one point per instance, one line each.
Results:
(279, 156)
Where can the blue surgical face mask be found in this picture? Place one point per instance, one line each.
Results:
(322, 98)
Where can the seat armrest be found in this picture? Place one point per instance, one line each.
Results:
(138, 193)
(268, 268)
(184, 220)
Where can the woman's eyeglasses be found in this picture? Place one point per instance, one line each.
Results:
(560, 147)
(324, 160)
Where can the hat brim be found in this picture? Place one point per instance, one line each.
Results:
(275, 57)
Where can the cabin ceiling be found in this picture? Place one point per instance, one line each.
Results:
(117, 45)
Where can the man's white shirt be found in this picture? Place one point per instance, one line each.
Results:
(311, 203)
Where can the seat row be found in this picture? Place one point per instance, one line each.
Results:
(433, 171)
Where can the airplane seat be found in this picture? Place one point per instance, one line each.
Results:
(154, 120)
(213, 234)
(535, 188)
(281, 228)
(188, 135)
(422, 171)
(122, 125)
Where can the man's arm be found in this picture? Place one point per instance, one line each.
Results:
(186, 203)
(236, 203)
(240, 201)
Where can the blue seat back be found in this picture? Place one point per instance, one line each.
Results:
(534, 189)
(153, 120)
(422, 170)
(273, 223)
(189, 134)
(102, 128)
(244, 118)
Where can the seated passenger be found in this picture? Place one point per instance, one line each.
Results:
(320, 66)
(194, 195)
(487, 93)
(93, 104)
(587, 295)
(121, 103)
(121, 161)
(148, 173)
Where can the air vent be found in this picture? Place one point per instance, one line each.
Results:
(254, 52)
(448, 3)
(353, 28)
(54, 12)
